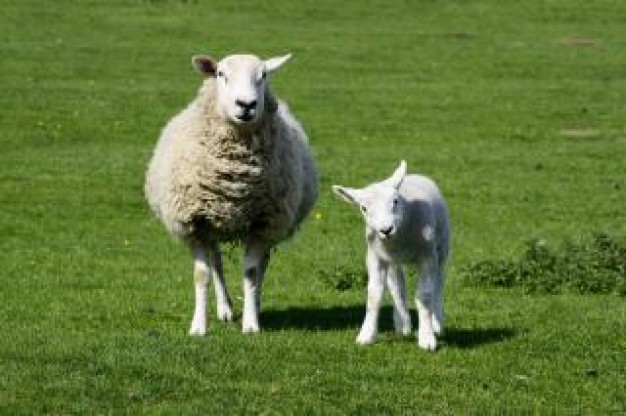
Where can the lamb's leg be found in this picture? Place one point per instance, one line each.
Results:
(424, 301)
(255, 263)
(438, 315)
(377, 271)
(224, 304)
(397, 288)
(201, 277)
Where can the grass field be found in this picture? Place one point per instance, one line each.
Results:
(517, 109)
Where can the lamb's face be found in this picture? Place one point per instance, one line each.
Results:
(241, 84)
(381, 204)
(382, 209)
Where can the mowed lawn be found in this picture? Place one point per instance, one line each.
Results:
(517, 109)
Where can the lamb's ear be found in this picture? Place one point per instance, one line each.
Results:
(205, 65)
(273, 64)
(347, 194)
(398, 176)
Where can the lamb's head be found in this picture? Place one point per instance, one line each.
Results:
(380, 203)
(242, 87)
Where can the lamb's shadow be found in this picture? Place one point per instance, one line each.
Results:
(351, 317)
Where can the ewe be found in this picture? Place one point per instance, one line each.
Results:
(406, 221)
(234, 166)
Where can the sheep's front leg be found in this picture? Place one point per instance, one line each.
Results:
(424, 301)
(224, 304)
(377, 271)
(255, 263)
(200, 277)
(397, 288)
(438, 315)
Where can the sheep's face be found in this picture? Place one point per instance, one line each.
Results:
(242, 87)
(381, 204)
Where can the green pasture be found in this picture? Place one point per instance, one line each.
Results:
(517, 110)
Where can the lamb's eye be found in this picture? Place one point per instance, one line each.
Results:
(262, 78)
(395, 202)
(220, 74)
(363, 209)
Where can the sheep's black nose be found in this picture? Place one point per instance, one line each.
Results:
(386, 231)
(246, 105)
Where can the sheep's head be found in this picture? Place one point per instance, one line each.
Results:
(242, 87)
(380, 203)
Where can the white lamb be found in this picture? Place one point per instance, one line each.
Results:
(234, 166)
(406, 221)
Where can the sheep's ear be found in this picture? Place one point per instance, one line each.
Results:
(398, 176)
(273, 64)
(347, 194)
(205, 65)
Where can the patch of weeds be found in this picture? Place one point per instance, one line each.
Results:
(343, 278)
(595, 266)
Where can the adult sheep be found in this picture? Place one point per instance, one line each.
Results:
(234, 166)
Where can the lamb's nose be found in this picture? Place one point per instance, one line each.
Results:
(386, 231)
(247, 105)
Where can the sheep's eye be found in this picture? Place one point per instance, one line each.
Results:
(395, 202)
(220, 74)
(363, 209)
(260, 80)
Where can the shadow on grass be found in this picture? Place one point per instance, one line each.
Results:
(474, 337)
(351, 317)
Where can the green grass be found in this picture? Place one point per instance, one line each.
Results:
(598, 266)
(517, 109)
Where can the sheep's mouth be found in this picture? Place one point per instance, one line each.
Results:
(245, 117)
(386, 233)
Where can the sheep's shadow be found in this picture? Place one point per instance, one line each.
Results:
(351, 317)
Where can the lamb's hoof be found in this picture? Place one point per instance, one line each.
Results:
(225, 313)
(427, 341)
(198, 326)
(250, 329)
(437, 326)
(365, 339)
(402, 326)
(197, 331)
(404, 331)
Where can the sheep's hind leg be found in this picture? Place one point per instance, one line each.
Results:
(424, 301)
(201, 277)
(438, 315)
(255, 263)
(397, 287)
(224, 304)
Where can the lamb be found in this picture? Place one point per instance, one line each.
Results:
(406, 222)
(234, 166)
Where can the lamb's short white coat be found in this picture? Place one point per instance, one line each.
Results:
(406, 222)
(234, 166)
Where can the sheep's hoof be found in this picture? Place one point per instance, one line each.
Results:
(404, 330)
(197, 332)
(365, 339)
(250, 329)
(402, 326)
(427, 341)
(437, 324)
(198, 326)
(225, 313)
